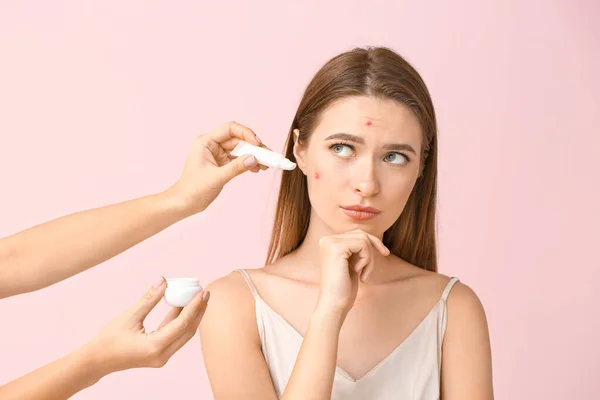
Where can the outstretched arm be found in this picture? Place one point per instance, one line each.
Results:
(48, 253)
(122, 344)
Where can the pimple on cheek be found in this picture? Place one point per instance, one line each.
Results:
(369, 123)
(317, 175)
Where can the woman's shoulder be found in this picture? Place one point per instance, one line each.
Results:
(465, 305)
(232, 288)
(241, 285)
(231, 304)
(460, 296)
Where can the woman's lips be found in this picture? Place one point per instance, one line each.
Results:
(360, 213)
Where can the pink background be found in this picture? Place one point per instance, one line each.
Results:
(99, 102)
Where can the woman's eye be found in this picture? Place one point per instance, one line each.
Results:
(396, 158)
(342, 150)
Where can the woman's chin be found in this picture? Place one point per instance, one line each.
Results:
(367, 226)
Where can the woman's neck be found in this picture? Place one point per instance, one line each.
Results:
(308, 252)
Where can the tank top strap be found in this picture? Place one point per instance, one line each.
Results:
(448, 288)
(443, 320)
(258, 306)
(249, 282)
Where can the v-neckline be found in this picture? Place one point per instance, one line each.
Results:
(340, 370)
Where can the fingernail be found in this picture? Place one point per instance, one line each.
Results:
(257, 138)
(250, 162)
(160, 282)
(206, 296)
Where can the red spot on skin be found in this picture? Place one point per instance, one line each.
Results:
(369, 123)
(317, 176)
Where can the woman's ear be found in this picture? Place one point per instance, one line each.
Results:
(299, 151)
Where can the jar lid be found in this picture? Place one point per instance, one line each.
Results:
(182, 282)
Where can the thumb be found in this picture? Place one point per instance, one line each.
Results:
(237, 167)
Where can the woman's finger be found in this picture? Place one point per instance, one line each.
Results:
(232, 130)
(185, 337)
(220, 155)
(174, 313)
(143, 307)
(365, 269)
(171, 331)
(230, 144)
(375, 241)
(359, 251)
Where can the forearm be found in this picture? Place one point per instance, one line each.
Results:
(48, 253)
(58, 380)
(312, 377)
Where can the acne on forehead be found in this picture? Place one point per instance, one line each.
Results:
(371, 115)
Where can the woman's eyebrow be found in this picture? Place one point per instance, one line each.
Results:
(400, 147)
(347, 137)
(359, 140)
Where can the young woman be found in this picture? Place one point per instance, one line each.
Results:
(350, 304)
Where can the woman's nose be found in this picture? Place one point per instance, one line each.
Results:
(365, 180)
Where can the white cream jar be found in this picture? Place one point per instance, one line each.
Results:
(180, 291)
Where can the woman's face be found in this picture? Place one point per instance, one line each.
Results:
(361, 163)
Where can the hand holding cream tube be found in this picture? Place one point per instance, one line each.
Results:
(263, 156)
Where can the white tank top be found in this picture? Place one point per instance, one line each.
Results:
(410, 372)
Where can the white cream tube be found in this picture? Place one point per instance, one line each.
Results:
(263, 156)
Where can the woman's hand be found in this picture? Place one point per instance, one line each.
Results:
(209, 166)
(345, 259)
(125, 344)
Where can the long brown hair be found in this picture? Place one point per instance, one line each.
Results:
(382, 73)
